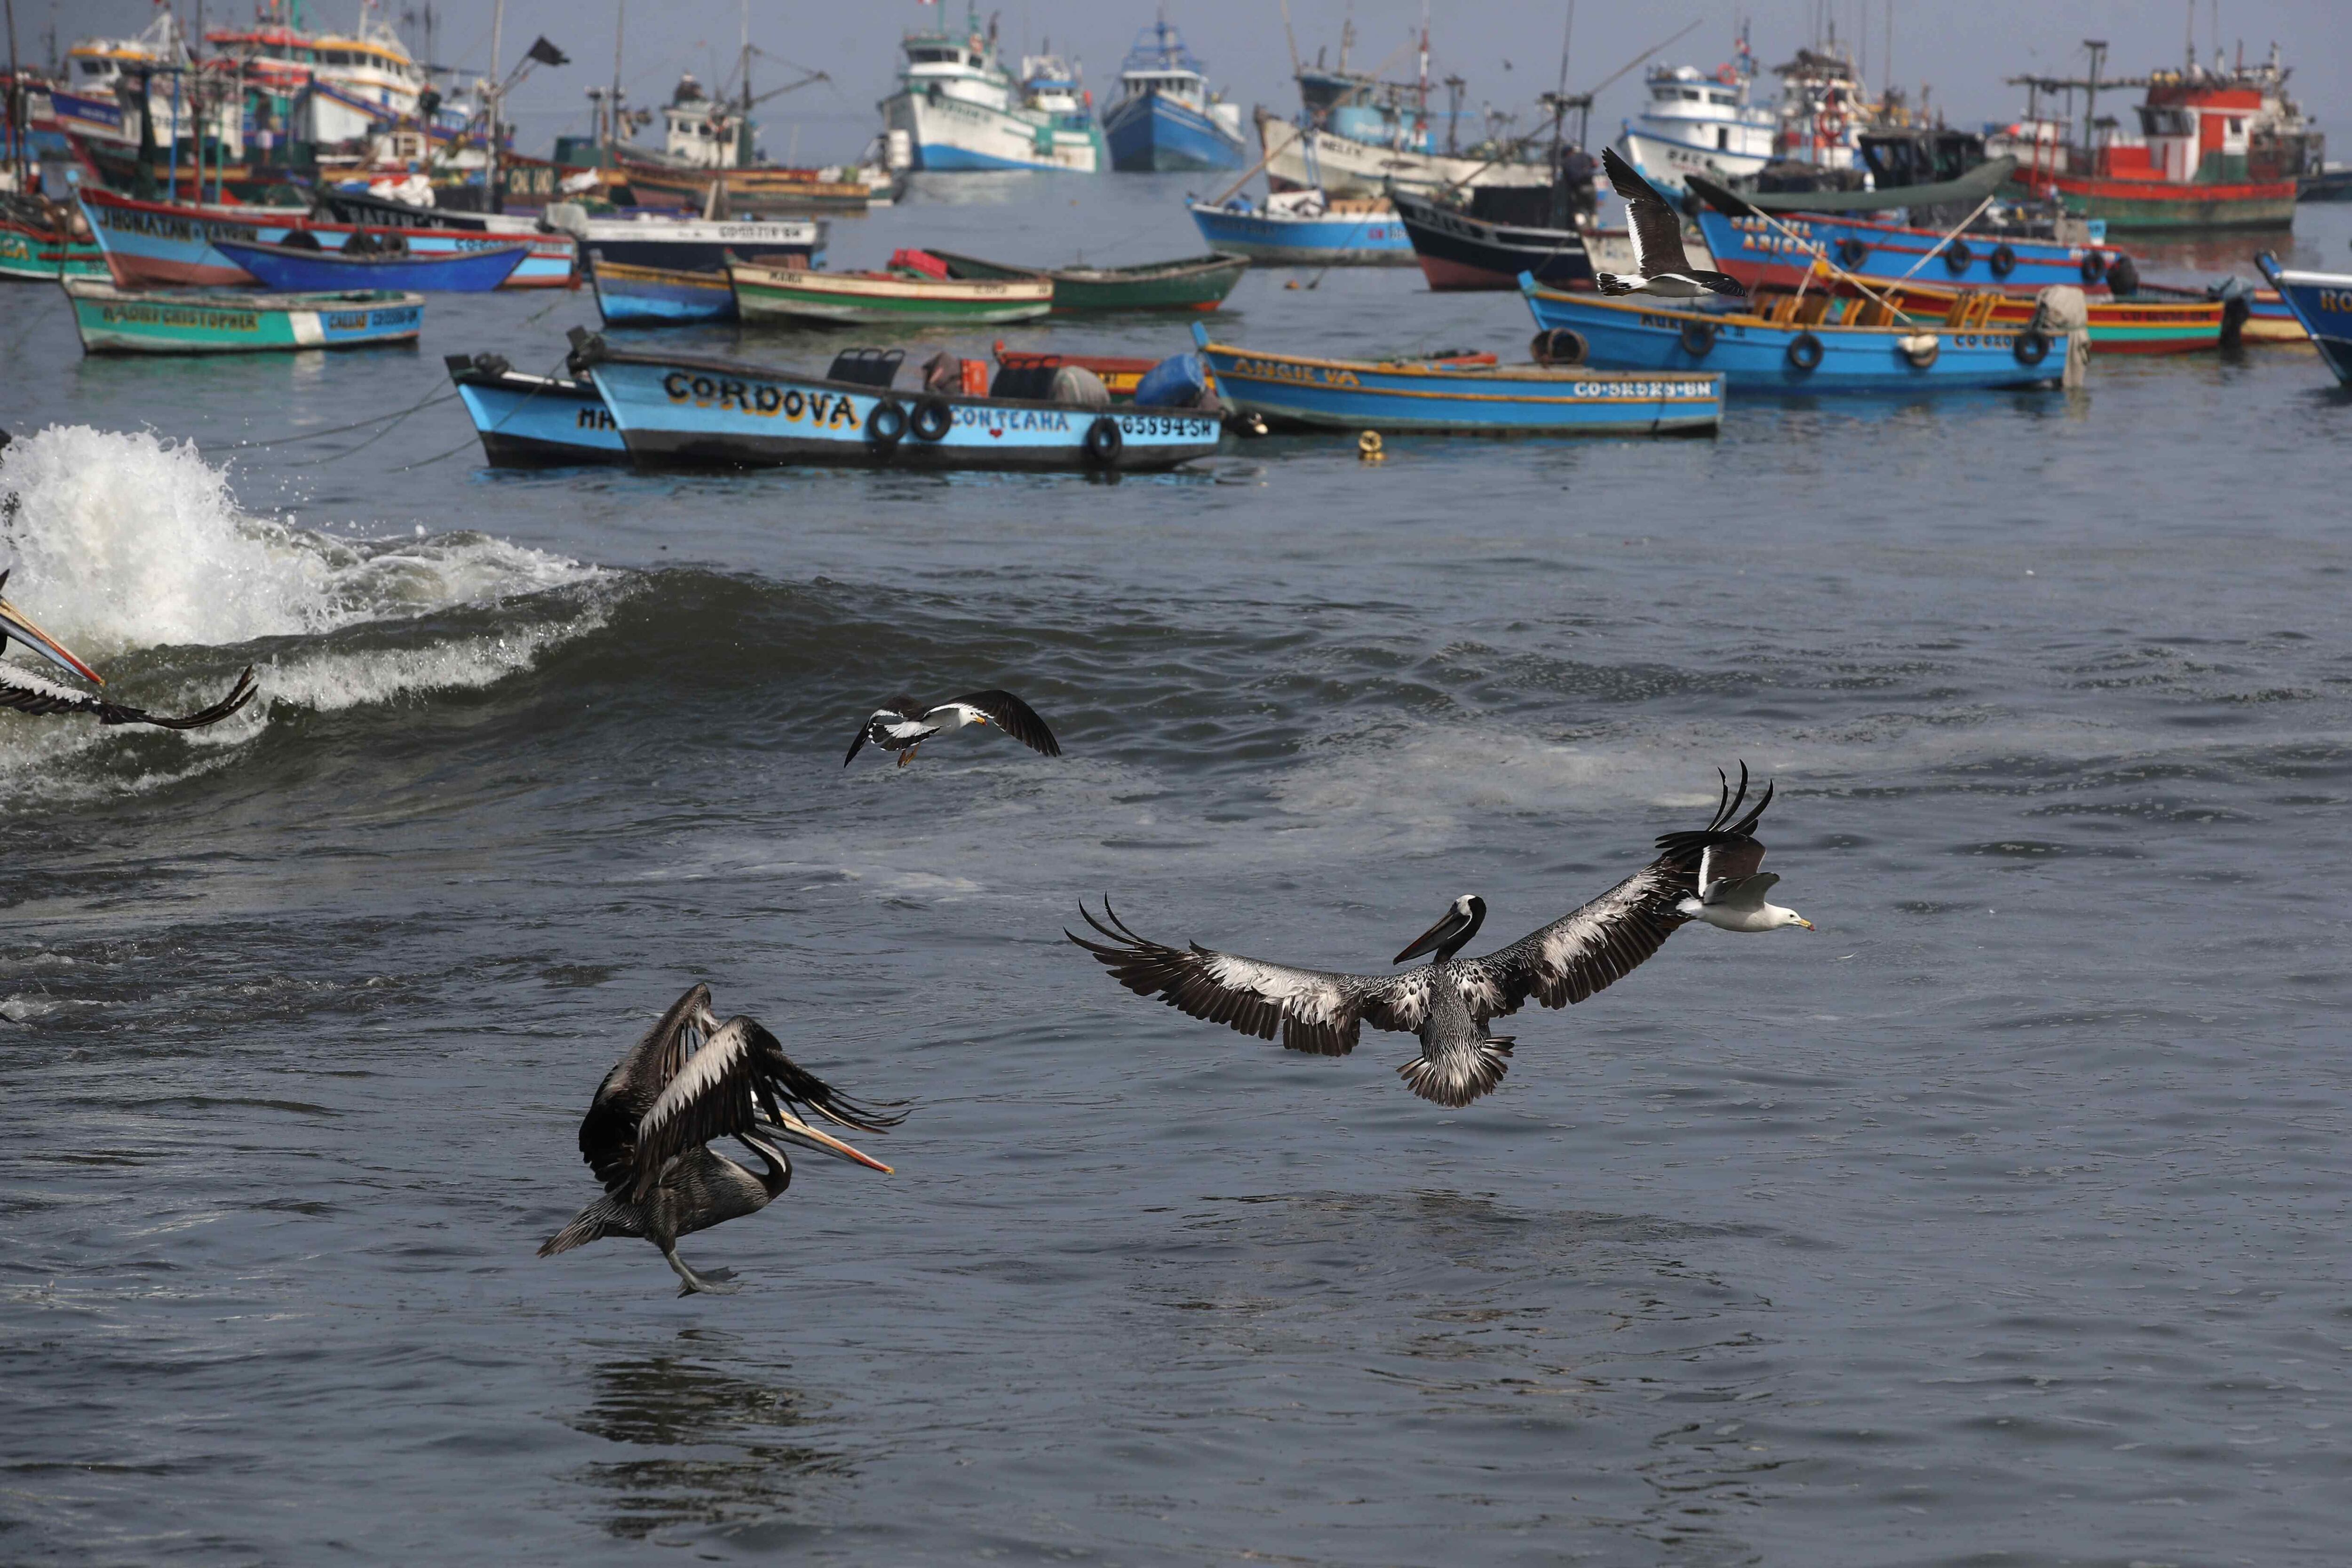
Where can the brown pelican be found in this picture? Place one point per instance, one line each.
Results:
(906, 724)
(1447, 1001)
(28, 693)
(692, 1079)
(1656, 229)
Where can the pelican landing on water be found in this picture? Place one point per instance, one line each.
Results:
(906, 724)
(693, 1080)
(28, 693)
(1447, 1001)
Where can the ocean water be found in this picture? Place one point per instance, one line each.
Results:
(2001, 1220)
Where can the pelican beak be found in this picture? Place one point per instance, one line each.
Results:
(1433, 938)
(808, 1137)
(15, 623)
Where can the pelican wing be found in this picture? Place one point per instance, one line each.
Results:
(1016, 718)
(1313, 1009)
(1655, 227)
(28, 693)
(723, 1091)
(1608, 939)
(608, 1133)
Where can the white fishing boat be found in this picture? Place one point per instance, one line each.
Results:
(959, 109)
(1701, 122)
(1357, 135)
(331, 87)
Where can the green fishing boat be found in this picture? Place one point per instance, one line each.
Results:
(794, 294)
(39, 242)
(114, 321)
(1194, 283)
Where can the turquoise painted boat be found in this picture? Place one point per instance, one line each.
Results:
(534, 421)
(1441, 397)
(116, 320)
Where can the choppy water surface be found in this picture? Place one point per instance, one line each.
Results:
(2000, 1221)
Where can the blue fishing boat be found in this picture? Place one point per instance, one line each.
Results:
(534, 421)
(1459, 397)
(1166, 119)
(295, 268)
(632, 296)
(1803, 343)
(676, 411)
(1306, 229)
(2322, 301)
(1777, 252)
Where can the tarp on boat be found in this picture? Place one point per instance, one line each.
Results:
(1971, 187)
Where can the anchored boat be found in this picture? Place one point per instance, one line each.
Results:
(1306, 229)
(1460, 249)
(1436, 397)
(297, 267)
(630, 295)
(1166, 119)
(2322, 301)
(172, 243)
(676, 411)
(112, 319)
(1194, 283)
(534, 421)
(791, 294)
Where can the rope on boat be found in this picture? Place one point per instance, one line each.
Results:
(360, 425)
(545, 382)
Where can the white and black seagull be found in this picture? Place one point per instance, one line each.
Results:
(692, 1080)
(28, 693)
(1447, 1001)
(1732, 888)
(904, 723)
(1657, 232)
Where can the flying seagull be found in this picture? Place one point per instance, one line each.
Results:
(1732, 888)
(1658, 231)
(903, 723)
(28, 693)
(690, 1080)
(1447, 1001)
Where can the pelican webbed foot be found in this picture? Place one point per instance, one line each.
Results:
(690, 1283)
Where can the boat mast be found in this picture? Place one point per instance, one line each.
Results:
(16, 107)
(492, 97)
(612, 104)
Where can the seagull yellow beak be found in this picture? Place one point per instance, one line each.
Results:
(15, 623)
(1804, 922)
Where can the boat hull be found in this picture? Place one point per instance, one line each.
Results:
(954, 135)
(536, 421)
(1352, 395)
(1664, 160)
(1458, 252)
(694, 245)
(1196, 283)
(777, 294)
(2322, 301)
(295, 271)
(715, 414)
(2141, 204)
(30, 256)
(168, 245)
(1150, 132)
(113, 320)
(1780, 253)
(656, 297)
(1754, 356)
(1310, 160)
(1336, 240)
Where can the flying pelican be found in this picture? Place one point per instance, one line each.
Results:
(692, 1079)
(904, 724)
(1656, 229)
(1446, 1002)
(28, 693)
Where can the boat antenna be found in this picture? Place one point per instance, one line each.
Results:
(612, 105)
(15, 104)
(1288, 35)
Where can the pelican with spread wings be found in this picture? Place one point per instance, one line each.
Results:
(29, 693)
(1447, 1001)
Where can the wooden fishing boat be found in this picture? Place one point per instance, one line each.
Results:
(1117, 373)
(113, 319)
(631, 296)
(2133, 326)
(535, 421)
(172, 243)
(684, 411)
(297, 268)
(39, 242)
(792, 294)
(1194, 283)
(2268, 318)
(1303, 228)
(1441, 397)
(1803, 344)
(2322, 301)
(689, 245)
(1460, 250)
(1776, 252)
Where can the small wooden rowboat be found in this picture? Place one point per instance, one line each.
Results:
(632, 296)
(229, 321)
(1195, 283)
(1808, 344)
(680, 411)
(2118, 326)
(294, 268)
(792, 294)
(534, 421)
(1453, 397)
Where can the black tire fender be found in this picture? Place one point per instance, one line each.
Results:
(1805, 352)
(1104, 442)
(2094, 265)
(1957, 257)
(1559, 346)
(932, 419)
(1698, 338)
(2032, 347)
(887, 426)
(2003, 261)
(1852, 252)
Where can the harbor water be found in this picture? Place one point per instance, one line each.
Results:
(1999, 1220)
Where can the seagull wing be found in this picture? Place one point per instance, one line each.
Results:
(29, 693)
(1608, 939)
(1313, 1009)
(1740, 892)
(722, 1091)
(1732, 862)
(880, 717)
(1656, 228)
(608, 1133)
(1016, 718)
